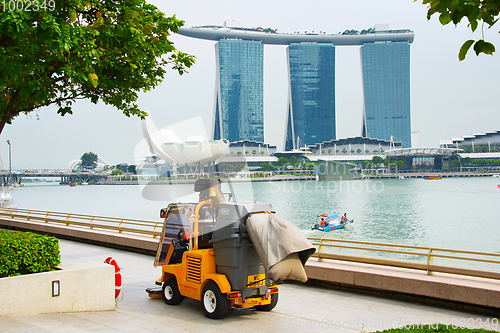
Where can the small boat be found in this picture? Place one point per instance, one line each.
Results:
(72, 184)
(6, 200)
(331, 221)
(332, 226)
(433, 177)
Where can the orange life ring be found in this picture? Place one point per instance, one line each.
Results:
(118, 276)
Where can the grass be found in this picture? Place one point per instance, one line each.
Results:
(438, 328)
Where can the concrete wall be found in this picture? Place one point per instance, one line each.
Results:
(83, 287)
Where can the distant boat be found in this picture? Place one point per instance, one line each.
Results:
(84, 183)
(433, 177)
(6, 200)
(72, 184)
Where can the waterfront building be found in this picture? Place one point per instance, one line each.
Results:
(485, 142)
(311, 94)
(354, 146)
(195, 154)
(239, 100)
(386, 91)
(311, 76)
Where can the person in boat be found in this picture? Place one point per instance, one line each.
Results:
(323, 223)
(343, 219)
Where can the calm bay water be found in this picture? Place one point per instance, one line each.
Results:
(459, 213)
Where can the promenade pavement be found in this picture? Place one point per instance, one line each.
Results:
(301, 307)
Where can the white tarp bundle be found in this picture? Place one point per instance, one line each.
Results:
(282, 248)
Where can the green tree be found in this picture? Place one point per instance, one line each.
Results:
(295, 161)
(89, 161)
(84, 49)
(376, 160)
(477, 12)
(282, 161)
(131, 169)
(116, 172)
(265, 167)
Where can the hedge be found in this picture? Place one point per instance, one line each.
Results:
(441, 328)
(27, 252)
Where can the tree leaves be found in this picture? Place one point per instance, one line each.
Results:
(477, 11)
(93, 49)
(464, 49)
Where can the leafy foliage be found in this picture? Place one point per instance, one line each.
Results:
(476, 11)
(26, 253)
(84, 49)
(89, 161)
(436, 328)
(116, 172)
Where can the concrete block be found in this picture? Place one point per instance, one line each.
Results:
(367, 280)
(398, 284)
(82, 287)
(432, 289)
(468, 294)
(493, 298)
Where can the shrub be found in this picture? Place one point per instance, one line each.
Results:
(27, 252)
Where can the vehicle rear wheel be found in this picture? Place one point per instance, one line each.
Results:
(270, 306)
(215, 304)
(170, 292)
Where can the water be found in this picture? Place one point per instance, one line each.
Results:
(457, 213)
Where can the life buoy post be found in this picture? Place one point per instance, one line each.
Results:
(118, 276)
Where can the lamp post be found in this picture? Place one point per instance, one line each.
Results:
(10, 165)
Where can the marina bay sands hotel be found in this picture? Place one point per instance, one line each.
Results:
(239, 102)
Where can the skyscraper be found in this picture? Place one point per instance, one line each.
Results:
(239, 101)
(311, 75)
(386, 88)
(311, 94)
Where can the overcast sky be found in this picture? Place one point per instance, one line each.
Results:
(448, 98)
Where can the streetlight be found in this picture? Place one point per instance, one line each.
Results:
(10, 165)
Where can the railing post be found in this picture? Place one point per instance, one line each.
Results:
(47, 217)
(28, 216)
(320, 249)
(430, 260)
(120, 226)
(155, 230)
(92, 222)
(68, 219)
(13, 213)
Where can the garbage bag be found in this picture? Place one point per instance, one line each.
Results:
(281, 247)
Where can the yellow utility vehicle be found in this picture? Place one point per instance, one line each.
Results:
(206, 254)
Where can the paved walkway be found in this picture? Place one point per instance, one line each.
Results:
(298, 309)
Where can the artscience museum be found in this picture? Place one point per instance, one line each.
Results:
(186, 156)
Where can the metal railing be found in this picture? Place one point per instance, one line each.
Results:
(148, 228)
(425, 257)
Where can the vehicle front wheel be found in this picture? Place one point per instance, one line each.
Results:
(215, 304)
(270, 306)
(170, 292)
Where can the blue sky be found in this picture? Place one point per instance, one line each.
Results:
(448, 98)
